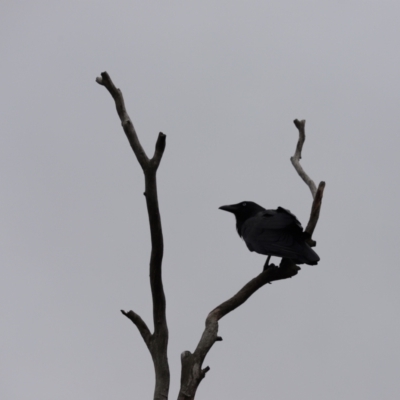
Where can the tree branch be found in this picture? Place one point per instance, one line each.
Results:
(157, 342)
(159, 150)
(315, 209)
(140, 325)
(192, 373)
(126, 122)
(317, 194)
(300, 125)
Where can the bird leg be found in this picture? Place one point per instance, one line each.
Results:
(266, 265)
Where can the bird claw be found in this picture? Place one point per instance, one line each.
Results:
(269, 266)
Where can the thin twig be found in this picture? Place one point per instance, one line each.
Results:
(317, 194)
(140, 325)
(300, 125)
(126, 122)
(315, 209)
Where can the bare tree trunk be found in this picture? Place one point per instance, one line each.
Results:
(156, 342)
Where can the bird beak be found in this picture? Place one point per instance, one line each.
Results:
(231, 209)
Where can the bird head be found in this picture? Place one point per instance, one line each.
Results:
(243, 211)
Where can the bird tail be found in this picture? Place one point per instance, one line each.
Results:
(312, 256)
(300, 252)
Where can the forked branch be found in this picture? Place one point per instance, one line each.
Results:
(192, 371)
(156, 342)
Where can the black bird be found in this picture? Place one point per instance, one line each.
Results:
(272, 232)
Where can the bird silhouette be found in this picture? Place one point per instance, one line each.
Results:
(272, 232)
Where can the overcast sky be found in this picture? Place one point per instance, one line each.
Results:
(224, 81)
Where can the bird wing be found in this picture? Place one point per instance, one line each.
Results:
(273, 232)
(279, 219)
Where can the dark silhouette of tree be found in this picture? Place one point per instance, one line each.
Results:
(192, 372)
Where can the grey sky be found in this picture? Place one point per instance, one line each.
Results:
(224, 80)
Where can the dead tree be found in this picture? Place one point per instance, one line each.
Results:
(192, 372)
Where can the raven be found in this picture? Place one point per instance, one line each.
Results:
(272, 232)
